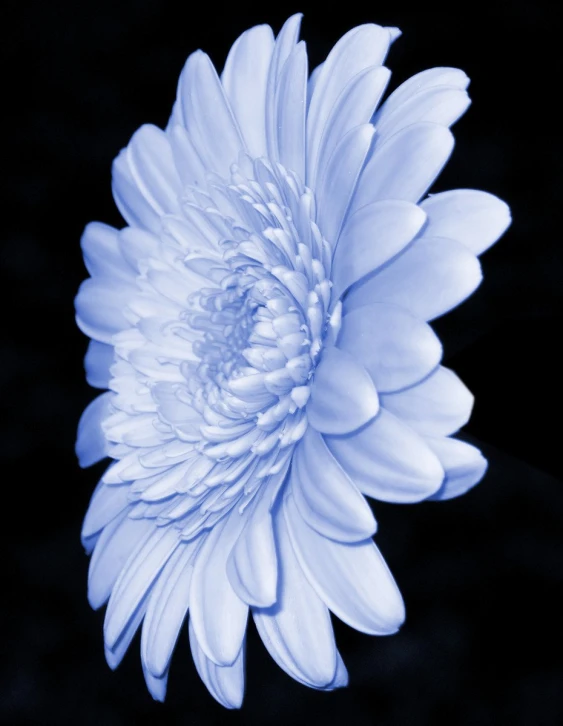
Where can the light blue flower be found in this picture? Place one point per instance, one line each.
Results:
(262, 327)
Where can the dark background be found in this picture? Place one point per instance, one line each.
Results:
(481, 576)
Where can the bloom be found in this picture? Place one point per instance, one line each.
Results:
(261, 325)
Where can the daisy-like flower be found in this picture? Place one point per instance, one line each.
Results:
(261, 325)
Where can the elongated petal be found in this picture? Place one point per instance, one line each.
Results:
(291, 106)
(395, 347)
(360, 48)
(387, 460)
(326, 497)
(464, 465)
(97, 362)
(343, 396)
(217, 613)
(167, 607)
(135, 209)
(225, 683)
(99, 308)
(102, 256)
(245, 79)
(297, 630)
(429, 278)
(437, 406)
(336, 187)
(107, 502)
(115, 655)
(91, 445)
(371, 237)
(405, 165)
(474, 218)
(351, 579)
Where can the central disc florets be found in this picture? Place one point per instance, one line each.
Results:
(246, 273)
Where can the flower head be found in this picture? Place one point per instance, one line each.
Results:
(261, 325)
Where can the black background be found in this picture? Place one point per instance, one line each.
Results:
(481, 576)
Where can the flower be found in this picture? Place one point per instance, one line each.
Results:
(261, 325)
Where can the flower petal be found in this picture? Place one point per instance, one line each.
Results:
(291, 107)
(370, 238)
(115, 655)
(107, 502)
(360, 48)
(387, 460)
(464, 465)
(217, 613)
(351, 579)
(396, 348)
(133, 206)
(338, 183)
(326, 497)
(225, 683)
(245, 79)
(99, 308)
(474, 218)
(167, 607)
(91, 445)
(99, 357)
(429, 278)
(297, 630)
(343, 396)
(405, 165)
(437, 406)
(102, 255)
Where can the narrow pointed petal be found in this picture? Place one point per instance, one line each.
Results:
(372, 236)
(91, 444)
(134, 208)
(326, 497)
(396, 348)
(217, 613)
(115, 655)
(156, 686)
(428, 279)
(166, 611)
(405, 165)
(291, 105)
(245, 79)
(343, 396)
(225, 683)
(102, 255)
(387, 460)
(351, 579)
(99, 308)
(464, 465)
(107, 502)
(306, 652)
(437, 406)
(474, 218)
(97, 362)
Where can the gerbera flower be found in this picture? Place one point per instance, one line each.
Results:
(261, 325)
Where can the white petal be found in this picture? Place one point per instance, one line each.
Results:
(111, 552)
(338, 183)
(472, 217)
(464, 465)
(343, 396)
(152, 167)
(405, 165)
(360, 48)
(371, 237)
(387, 460)
(167, 607)
(107, 502)
(326, 497)
(297, 630)
(217, 613)
(419, 83)
(355, 106)
(245, 78)
(97, 362)
(225, 683)
(207, 115)
(437, 406)
(429, 278)
(441, 105)
(396, 348)
(252, 565)
(102, 255)
(100, 308)
(91, 445)
(137, 245)
(114, 655)
(136, 579)
(291, 104)
(133, 206)
(187, 160)
(156, 686)
(351, 579)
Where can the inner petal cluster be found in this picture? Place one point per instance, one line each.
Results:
(223, 375)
